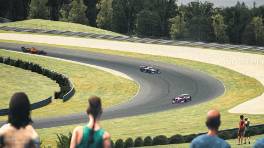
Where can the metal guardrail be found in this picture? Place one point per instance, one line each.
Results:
(139, 40)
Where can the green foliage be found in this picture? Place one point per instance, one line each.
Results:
(219, 28)
(119, 143)
(63, 140)
(104, 17)
(178, 27)
(160, 140)
(147, 23)
(38, 9)
(77, 12)
(198, 21)
(148, 141)
(176, 139)
(139, 142)
(129, 143)
(91, 11)
(236, 19)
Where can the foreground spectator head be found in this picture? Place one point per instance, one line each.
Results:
(213, 120)
(91, 135)
(19, 110)
(18, 132)
(210, 139)
(241, 117)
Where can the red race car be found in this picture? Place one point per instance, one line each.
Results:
(33, 50)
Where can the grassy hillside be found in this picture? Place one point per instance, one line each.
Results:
(87, 81)
(13, 79)
(239, 88)
(57, 25)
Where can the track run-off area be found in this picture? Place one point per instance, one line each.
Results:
(164, 86)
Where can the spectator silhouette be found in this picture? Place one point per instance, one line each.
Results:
(91, 135)
(210, 140)
(18, 132)
(259, 143)
(241, 130)
(246, 135)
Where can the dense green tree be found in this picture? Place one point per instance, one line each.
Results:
(147, 23)
(124, 15)
(54, 8)
(77, 12)
(104, 17)
(254, 32)
(178, 27)
(91, 11)
(166, 9)
(236, 19)
(219, 28)
(198, 21)
(14, 9)
(38, 9)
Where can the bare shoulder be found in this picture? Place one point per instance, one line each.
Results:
(106, 135)
(31, 129)
(77, 129)
(6, 128)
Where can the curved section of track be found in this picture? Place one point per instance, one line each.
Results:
(156, 90)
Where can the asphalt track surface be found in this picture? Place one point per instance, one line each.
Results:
(156, 90)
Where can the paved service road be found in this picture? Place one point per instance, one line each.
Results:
(156, 90)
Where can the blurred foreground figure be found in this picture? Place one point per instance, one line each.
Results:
(91, 135)
(210, 140)
(18, 132)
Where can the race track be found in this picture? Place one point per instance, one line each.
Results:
(156, 91)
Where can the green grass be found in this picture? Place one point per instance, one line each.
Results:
(232, 142)
(13, 79)
(239, 88)
(57, 25)
(87, 81)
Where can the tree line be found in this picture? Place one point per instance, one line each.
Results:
(198, 21)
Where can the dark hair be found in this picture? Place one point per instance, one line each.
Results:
(213, 122)
(241, 117)
(19, 110)
(95, 109)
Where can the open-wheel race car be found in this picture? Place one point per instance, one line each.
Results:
(149, 69)
(33, 50)
(183, 98)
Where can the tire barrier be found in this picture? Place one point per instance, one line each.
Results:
(139, 40)
(177, 139)
(66, 87)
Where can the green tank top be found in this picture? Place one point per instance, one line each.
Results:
(98, 138)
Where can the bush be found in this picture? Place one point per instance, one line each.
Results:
(129, 143)
(63, 140)
(176, 139)
(119, 143)
(148, 141)
(160, 140)
(189, 138)
(112, 144)
(1, 59)
(139, 142)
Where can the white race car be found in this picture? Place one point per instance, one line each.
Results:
(149, 69)
(183, 98)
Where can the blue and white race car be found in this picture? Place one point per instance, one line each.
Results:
(183, 98)
(149, 69)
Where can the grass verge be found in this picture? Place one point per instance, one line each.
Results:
(57, 25)
(239, 88)
(13, 79)
(232, 142)
(87, 81)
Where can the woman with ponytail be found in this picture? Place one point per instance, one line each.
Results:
(91, 135)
